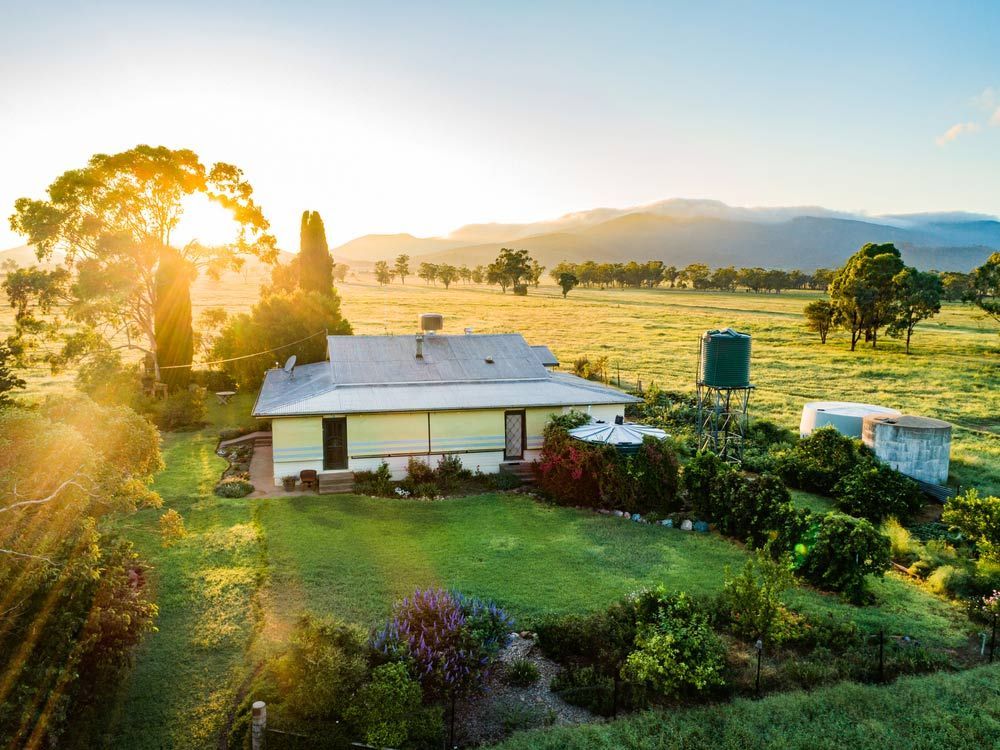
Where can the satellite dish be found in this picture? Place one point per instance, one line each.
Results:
(289, 367)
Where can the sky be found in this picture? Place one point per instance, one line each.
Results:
(420, 117)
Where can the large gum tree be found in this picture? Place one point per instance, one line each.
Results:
(113, 220)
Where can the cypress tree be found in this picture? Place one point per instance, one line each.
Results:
(172, 319)
(315, 263)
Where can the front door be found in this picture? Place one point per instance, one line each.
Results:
(514, 437)
(334, 443)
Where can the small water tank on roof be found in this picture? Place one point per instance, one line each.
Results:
(725, 359)
(431, 322)
(846, 417)
(919, 447)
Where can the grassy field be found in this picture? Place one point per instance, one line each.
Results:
(229, 592)
(918, 713)
(652, 336)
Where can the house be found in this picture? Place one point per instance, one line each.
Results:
(485, 398)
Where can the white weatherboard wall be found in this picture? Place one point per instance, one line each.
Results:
(476, 436)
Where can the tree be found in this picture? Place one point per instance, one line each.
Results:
(428, 272)
(402, 267)
(819, 317)
(447, 273)
(478, 275)
(696, 276)
(284, 277)
(567, 281)
(510, 268)
(985, 287)
(724, 278)
(955, 286)
(340, 271)
(863, 291)
(315, 263)
(172, 319)
(9, 381)
(382, 273)
(670, 274)
(265, 335)
(918, 297)
(113, 219)
(535, 273)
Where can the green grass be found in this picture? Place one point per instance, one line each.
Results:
(919, 713)
(811, 501)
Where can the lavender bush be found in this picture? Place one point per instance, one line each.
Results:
(450, 640)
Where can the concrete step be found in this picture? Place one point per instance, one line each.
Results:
(521, 469)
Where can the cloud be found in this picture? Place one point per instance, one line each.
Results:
(987, 100)
(958, 129)
(995, 118)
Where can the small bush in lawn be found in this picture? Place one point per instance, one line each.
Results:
(234, 487)
(419, 471)
(816, 463)
(182, 410)
(389, 710)
(377, 483)
(522, 673)
(325, 665)
(875, 491)
(677, 652)
(701, 478)
(504, 481)
(751, 600)
(844, 552)
(978, 518)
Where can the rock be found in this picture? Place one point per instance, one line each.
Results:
(700, 526)
(527, 634)
(686, 525)
(668, 522)
(636, 517)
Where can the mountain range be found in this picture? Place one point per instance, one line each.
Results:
(681, 231)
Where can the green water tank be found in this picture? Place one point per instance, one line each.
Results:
(725, 359)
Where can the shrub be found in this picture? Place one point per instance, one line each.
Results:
(751, 601)
(653, 477)
(570, 419)
(451, 641)
(763, 439)
(504, 480)
(843, 553)
(450, 472)
(569, 470)
(171, 528)
(419, 471)
(701, 478)
(522, 673)
(182, 410)
(677, 652)
(875, 491)
(389, 710)
(377, 483)
(978, 518)
(234, 487)
(325, 665)
(816, 463)
(751, 508)
(902, 548)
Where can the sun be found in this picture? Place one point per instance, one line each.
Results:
(204, 221)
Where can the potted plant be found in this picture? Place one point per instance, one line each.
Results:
(289, 482)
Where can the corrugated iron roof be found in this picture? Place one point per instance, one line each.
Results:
(545, 355)
(382, 374)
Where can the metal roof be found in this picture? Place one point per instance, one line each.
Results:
(454, 375)
(616, 434)
(545, 355)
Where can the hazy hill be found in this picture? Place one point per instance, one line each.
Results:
(680, 231)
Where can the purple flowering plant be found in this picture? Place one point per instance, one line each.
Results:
(451, 641)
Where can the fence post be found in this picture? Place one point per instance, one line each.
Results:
(881, 655)
(258, 725)
(759, 647)
(993, 639)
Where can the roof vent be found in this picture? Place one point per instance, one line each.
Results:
(420, 346)
(468, 331)
(489, 360)
(619, 419)
(431, 322)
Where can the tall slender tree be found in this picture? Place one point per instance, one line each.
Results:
(172, 319)
(315, 263)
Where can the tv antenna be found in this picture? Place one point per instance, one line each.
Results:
(289, 367)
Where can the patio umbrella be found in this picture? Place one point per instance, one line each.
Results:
(626, 437)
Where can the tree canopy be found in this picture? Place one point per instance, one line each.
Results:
(863, 291)
(315, 263)
(113, 220)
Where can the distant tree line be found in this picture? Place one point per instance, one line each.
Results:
(512, 269)
(654, 273)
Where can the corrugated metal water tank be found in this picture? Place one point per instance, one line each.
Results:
(919, 447)
(847, 417)
(725, 359)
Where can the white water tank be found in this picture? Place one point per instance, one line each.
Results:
(919, 447)
(846, 417)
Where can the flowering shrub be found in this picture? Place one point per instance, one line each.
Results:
(451, 640)
(569, 470)
(234, 487)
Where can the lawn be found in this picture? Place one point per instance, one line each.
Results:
(918, 713)
(230, 590)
